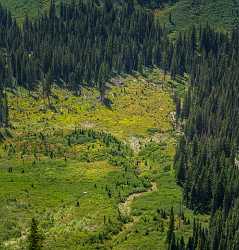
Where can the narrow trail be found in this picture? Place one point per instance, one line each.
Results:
(125, 209)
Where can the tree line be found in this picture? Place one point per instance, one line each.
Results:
(206, 159)
(83, 43)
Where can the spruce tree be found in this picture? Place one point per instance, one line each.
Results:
(170, 232)
(34, 237)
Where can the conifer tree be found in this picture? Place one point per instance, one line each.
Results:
(170, 233)
(34, 237)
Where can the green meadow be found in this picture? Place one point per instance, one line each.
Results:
(74, 165)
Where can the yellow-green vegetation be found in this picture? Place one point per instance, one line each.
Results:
(138, 106)
(72, 164)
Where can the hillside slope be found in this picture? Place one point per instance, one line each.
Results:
(86, 177)
(24, 7)
(221, 14)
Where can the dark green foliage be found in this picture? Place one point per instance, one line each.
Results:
(206, 159)
(34, 237)
(178, 106)
(4, 115)
(225, 229)
(198, 240)
(117, 152)
(155, 3)
(170, 233)
(5, 81)
(82, 45)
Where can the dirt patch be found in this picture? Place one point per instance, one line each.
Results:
(87, 125)
(125, 207)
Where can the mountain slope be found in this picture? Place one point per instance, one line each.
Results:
(221, 14)
(86, 179)
(58, 167)
(26, 7)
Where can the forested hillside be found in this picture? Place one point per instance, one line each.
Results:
(101, 114)
(206, 159)
(34, 8)
(85, 45)
(177, 15)
(63, 82)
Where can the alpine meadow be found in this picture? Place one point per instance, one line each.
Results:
(119, 125)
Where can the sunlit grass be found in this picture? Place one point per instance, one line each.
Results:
(74, 189)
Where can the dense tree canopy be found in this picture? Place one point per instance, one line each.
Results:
(82, 44)
(206, 159)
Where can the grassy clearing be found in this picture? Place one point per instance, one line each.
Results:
(150, 230)
(220, 14)
(73, 180)
(138, 106)
(22, 8)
